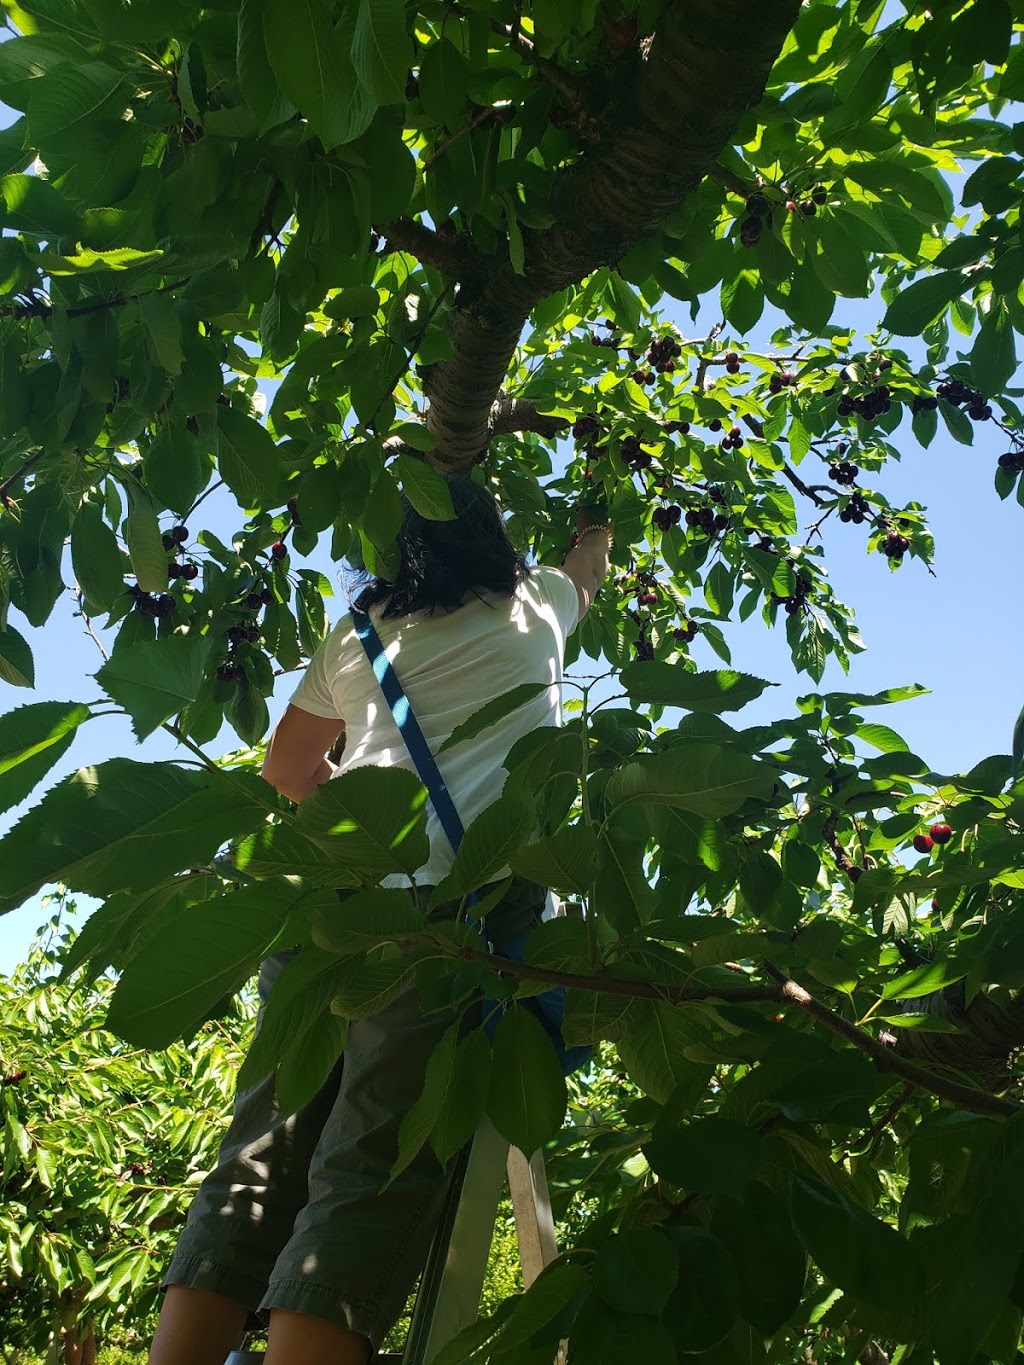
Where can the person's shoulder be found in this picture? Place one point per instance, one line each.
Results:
(546, 581)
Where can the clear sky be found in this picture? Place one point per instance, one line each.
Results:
(958, 633)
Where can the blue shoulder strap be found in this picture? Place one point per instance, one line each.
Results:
(408, 725)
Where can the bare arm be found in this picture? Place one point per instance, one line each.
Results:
(295, 762)
(587, 563)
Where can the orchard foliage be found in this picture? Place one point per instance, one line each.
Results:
(439, 236)
(102, 1147)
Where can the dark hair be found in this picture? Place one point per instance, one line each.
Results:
(444, 561)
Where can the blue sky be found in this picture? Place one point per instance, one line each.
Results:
(958, 633)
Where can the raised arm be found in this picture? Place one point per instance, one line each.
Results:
(588, 561)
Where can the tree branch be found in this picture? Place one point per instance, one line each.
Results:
(519, 414)
(965, 1097)
(703, 69)
(633, 990)
(455, 257)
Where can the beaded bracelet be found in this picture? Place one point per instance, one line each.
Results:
(598, 526)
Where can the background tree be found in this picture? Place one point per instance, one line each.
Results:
(101, 1150)
(443, 237)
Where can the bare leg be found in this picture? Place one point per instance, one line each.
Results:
(300, 1339)
(196, 1327)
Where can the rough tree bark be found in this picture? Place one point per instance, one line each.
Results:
(675, 103)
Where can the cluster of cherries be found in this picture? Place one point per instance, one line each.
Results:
(895, 546)
(661, 357)
(781, 379)
(856, 510)
(152, 604)
(171, 539)
(843, 472)
(796, 602)
(957, 392)
(759, 211)
(870, 406)
(940, 833)
(667, 517)
(1012, 460)
(249, 632)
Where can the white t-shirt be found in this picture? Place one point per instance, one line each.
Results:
(450, 664)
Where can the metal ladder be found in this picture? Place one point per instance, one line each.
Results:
(448, 1298)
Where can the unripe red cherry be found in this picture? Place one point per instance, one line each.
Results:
(923, 843)
(941, 833)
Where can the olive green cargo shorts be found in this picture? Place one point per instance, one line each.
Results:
(293, 1216)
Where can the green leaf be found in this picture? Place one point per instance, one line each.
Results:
(923, 980)
(367, 985)
(256, 78)
(174, 469)
(313, 68)
(601, 1336)
(32, 739)
(882, 737)
(771, 1265)
(300, 996)
(381, 50)
(96, 559)
(838, 1090)
(703, 1307)
(155, 679)
(145, 546)
(653, 1053)
(190, 964)
(493, 711)
(68, 104)
(697, 777)
(488, 843)
(362, 921)
(164, 327)
(248, 713)
(720, 690)
(743, 300)
(465, 1098)
(920, 303)
(1018, 745)
(309, 1062)
(547, 1298)
(312, 617)
(528, 1098)
(418, 1122)
(565, 860)
(444, 79)
(857, 1253)
(125, 826)
(712, 1155)
(16, 666)
(994, 354)
(636, 1271)
(425, 488)
(35, 207)
(372, 820)
(248, 458)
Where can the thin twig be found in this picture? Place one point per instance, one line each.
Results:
(23, 468)
(87, 622)
(445, 143)
(44, 311)
(219, 483)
